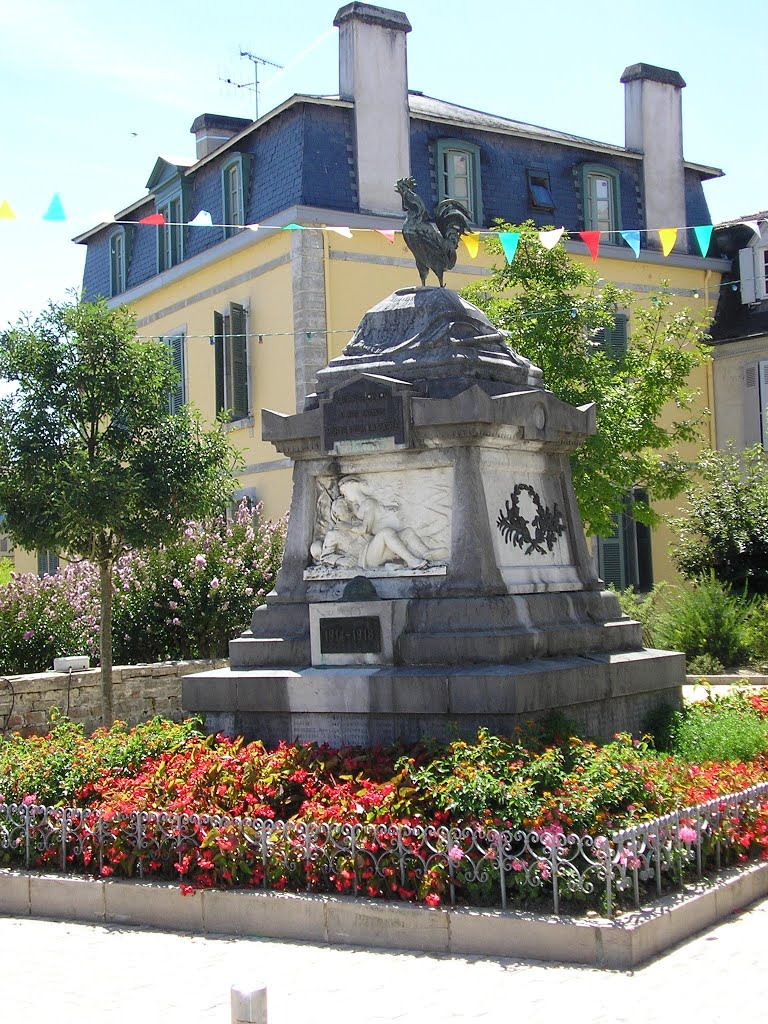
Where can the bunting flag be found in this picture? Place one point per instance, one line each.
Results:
(472, 242)
(293, 227)
(667, 237)
(202, 220)
(345, 232)
(6, 213)
(389, 235)
(153, 218)
(549, 239)
(252, 227)
(509, 241)
(755, 225)
(55, 209)
(592, 241)
(632, 238)
(703, 235)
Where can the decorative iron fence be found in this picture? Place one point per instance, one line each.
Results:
(472, 865)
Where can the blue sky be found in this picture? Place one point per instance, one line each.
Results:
(94, 91)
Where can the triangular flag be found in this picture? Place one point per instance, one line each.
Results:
(703, 234)
(549, 239)
(509, 240)
(667, 237)
(293, 227)
(153, 218)
(252, 227)
(632, 238)
(389, 235)
(472, 242)
(56, 210)
(202, 220)
(755, 225)
(346, 232)
(6, 213)
(592, 241)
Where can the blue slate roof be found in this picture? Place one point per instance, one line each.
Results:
(303, 154)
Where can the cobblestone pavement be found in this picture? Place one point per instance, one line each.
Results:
(67, 973)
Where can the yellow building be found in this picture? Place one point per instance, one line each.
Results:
(252, 314)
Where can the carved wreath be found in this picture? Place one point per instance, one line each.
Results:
(547, 524)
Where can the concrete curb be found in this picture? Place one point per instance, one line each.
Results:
(624, 943)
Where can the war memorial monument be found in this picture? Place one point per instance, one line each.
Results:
(436, 575)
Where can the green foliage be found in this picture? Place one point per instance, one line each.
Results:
(646, 608)
(705, 619)
(91, 460)
(6, 569)
(724, 729)
(54, 767)
(725, 528)
(554, 310)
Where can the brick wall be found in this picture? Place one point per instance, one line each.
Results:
(139, 692)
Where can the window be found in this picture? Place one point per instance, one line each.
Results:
(47, 563)
(539, 192)
(613, 340)
(600, 188)
(234, 182)
(117, 262)
(170, 235)
(756, 404)
(6, 544)
(177, 397)
(624, 558)
(230, 330)
(458, 175)
(753, 271)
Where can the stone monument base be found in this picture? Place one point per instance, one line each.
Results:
(600, 693)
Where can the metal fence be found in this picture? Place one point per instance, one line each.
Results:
(472, 865)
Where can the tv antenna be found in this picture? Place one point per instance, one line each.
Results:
(255, 84)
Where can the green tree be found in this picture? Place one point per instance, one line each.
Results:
(725, 528)
(91, 461)
(556, 312)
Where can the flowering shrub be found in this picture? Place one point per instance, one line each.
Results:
(184, 600)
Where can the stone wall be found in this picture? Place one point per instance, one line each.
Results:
(139, 692)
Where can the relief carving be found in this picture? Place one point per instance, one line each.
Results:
(547, 524)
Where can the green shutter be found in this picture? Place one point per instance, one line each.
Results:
(611, 557)
(239, 351)
(177, 397)
(218, 343)
(47, 563)
(613, 340)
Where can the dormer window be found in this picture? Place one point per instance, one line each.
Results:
(170, 238)
(600, 194)
(117, 262)
(458, 175)
(233, 184)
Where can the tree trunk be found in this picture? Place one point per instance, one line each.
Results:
(105, 644)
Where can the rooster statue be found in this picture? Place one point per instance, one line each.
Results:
(433, 243)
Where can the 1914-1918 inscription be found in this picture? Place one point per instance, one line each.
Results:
(360, 634)
(364, 410)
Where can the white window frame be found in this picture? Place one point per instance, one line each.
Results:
(753, 271)
(177, 342)
(756, 404)
(117, 268)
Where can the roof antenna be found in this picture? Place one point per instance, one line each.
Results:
(255, 84)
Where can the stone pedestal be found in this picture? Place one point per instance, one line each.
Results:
(436, 575)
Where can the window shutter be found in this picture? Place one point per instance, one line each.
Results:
(239, 350)
(613, 340)
(47, 563)
(218, 350)
(763, 374)
(177, 397)
(643, 547)
(611, 558)
(752, 433)
(747, 275)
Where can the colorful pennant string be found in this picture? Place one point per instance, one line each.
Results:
(472, 241)
(344, 232)
(592, 241)
(632, 238)
(509, 241)
(755, 225)
(55, 209)
(6, 213)
(549, 239)
(202, 220)
(703, 235)
(389, 235)
(153, 218)
(667, 237)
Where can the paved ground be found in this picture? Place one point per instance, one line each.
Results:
(67, 973)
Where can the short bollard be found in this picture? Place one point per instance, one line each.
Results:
(249, 1004)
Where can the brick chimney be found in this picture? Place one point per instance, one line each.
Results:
(213, 130)
(373, 72)
(653, 126)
